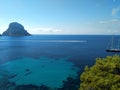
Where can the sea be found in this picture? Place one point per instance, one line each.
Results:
(49, 60)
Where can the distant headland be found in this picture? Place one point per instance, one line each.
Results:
(15, 29)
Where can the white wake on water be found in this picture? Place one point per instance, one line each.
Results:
(44, 40)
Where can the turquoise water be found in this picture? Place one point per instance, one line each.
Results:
(49, 59)
(45, 71)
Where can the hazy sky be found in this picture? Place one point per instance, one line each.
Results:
(62, 16)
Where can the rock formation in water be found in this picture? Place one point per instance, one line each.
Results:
(15, 29)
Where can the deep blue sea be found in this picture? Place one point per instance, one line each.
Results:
(49, 59)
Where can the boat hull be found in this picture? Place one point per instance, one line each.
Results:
(113, 50)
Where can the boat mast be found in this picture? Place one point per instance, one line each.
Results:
(118, 43)
(112, 43)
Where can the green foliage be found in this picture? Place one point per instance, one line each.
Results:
(104, 75)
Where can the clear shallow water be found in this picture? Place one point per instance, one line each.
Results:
(40, 71)
(63, 55)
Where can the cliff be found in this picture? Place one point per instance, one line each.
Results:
(15, 29)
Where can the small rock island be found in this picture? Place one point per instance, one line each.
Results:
(15, 29)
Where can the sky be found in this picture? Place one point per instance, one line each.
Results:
(62, 16)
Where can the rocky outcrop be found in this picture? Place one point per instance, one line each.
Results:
(15, 29)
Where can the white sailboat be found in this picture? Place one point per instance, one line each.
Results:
(112, 48)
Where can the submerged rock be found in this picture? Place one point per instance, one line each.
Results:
(32, 87)
(15, 29)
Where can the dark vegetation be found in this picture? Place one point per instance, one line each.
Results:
(104, 75)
